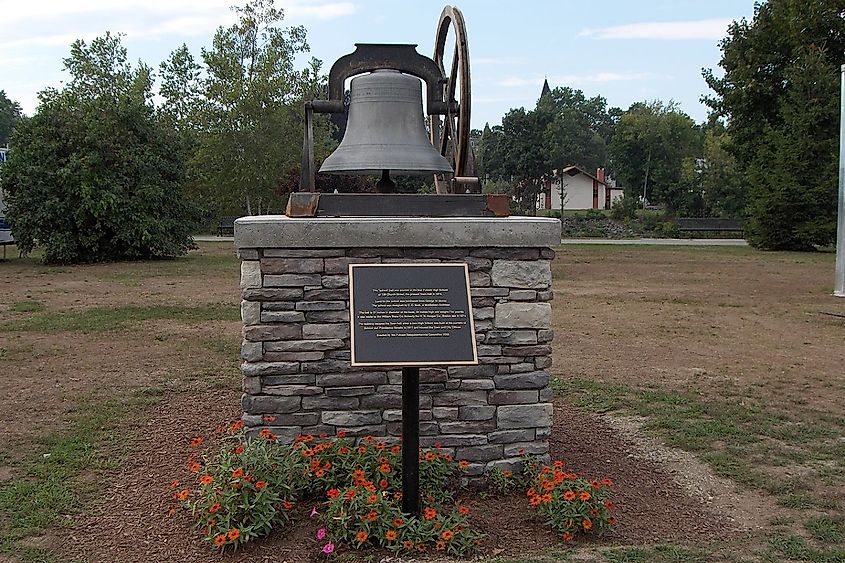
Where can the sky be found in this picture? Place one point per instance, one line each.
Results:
(622, 50)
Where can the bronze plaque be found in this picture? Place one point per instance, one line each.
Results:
(411, 315)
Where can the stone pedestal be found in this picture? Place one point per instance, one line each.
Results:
(296, 353)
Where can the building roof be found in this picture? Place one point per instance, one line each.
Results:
(575, 170)
(546, 90)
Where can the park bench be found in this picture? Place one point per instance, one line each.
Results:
(709, 224)
(226, 227)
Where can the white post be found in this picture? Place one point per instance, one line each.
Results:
(839, 277)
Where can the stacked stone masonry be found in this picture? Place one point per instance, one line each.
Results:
(296, 353)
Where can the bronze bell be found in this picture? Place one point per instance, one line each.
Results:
(385, 129)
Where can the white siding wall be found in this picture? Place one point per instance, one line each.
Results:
(578, 192)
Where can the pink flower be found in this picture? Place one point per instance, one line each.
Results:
(328, 548)
(313, 512)
(321, 534)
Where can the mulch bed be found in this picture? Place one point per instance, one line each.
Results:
(133, 521)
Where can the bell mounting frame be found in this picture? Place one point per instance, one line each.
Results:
(440, 98)
(452, 139)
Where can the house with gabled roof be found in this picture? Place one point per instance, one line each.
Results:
(575, 188)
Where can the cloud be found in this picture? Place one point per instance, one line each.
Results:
(575, 79)
(695, 29)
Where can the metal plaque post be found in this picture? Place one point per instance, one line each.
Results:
(839, 276)
(411, 440)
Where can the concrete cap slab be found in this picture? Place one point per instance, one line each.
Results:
(281, 231)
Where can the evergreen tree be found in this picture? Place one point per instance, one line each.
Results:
(10, 115)
(780, 93)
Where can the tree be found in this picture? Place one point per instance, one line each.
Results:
(10, 115)
(245, 105)
(648, 150)
(96, 174)
(780, 95)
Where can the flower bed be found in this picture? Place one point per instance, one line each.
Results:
(246, 488)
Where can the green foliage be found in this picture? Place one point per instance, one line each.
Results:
(240, 111)
(648, 149)
(10, 115)
(780, 91)
(625, 209)
(96, 174)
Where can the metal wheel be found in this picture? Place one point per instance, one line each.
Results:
(451, 136)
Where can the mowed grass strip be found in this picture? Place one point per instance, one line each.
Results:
(101, 319)
(739, 441)
(47, 484)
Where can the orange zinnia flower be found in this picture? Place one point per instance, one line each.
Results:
(440, 545)
(546, 498)
(234, 534)
(447, 535)
(383, 483)
(429, 513)
(384, 468)
(350, 493)
(183, 494)
(407, 545)
(361, 536)
(567, 536)
(206, 479)
(362, 449)
(463, 510)
(569, 495)
(372, 516)
(429, 456)
(611, 521)
(380, 446)
(238, 450)
(358, 474)
(265, 433)
(391, 535)
(343, 450)
(238, 473)
(307, 452)
(260, 485)
(197, 442)
(559, 463)
(333, 493)
(608, 504)
(595, 485)
(237, 426)
(587, 524)
(215, 507)
(463, 465)
(421, 547)
(535, 501)
(319, 473)
(548, 485)
(174, 483)
(341, 434)
(268, 418)
(398, 522)
(585, 496)
(194, 467)
(371, 499)
(607, 482)
(507, 473)
(395, 449)
(220, 540)
(287, 505)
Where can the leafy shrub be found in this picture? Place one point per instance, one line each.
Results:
(625, 208)
(594, 214)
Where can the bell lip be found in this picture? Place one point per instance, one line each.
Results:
(393, 171)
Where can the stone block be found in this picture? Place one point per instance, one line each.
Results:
(483, 301)
(489, 292)
(335, 282)
(327, 317)
(486, 452)
(428, 388)
(292, 390)
(460, 398)
(291, 265)
(433, 375)
(265, 294)
(509, 464)
(345, 418)
(342, 379)
(508, 436)
(536, 274)
(376, 430)
(471, 372)
(250, 274)
(254, 369)
(302, 252)
(326, 295)
(536, 350)
(277, 306)
(543, 362)
(427, 428)
(475, 384)
(511, 337)
(522, 295)
(388, 252)
(445, 413)
(547, 254)
(322, 402)
(265, 333)
(251, 385)
(489, 350)
(529, 380)
(498, 253)
(321, 306)
(547, 395)
(524, 416)
(266, 404)
(251, 351)
(454, 440)
(325, 330)
(341, 265)
(293, 356)
(281, 316)
(304, 345)
(248, 254)
(482, 326)
(479, 279)
(291, 280)
(544, 336)
(545, 295)
(483, 313)
(250, 312)
(381, 402)
(514, 397)
(297, 419)
(290, 379)
(534, 448)
(477, 412)
(476, 263)
(499, 360)
(517, 314)
(355, 391)
(467, 426)
(523, 367)
(326, 366)
(339, 354)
